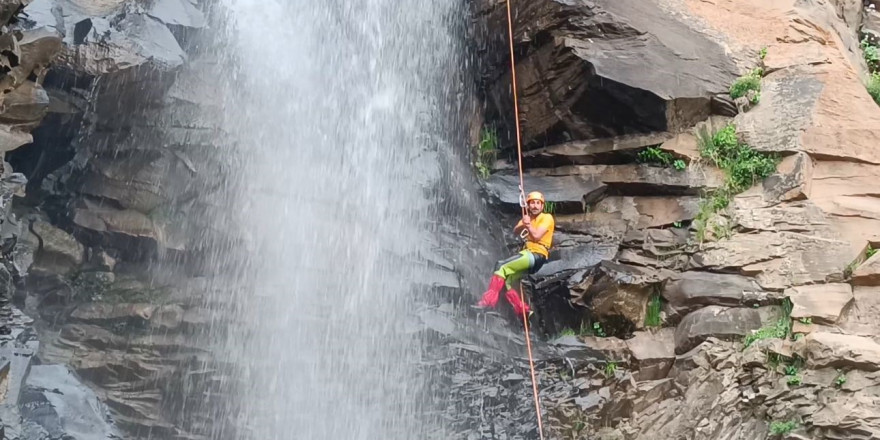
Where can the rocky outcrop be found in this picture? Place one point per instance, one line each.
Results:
(868, 273)
(135, 345)
(626, 57)
(45, 401)
(129, 115)
(822, 303)
(721, 323)
(727, 358)
(56, 404)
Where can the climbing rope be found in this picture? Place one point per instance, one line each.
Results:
(524, 211)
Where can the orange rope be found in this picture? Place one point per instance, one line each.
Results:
(524, 211)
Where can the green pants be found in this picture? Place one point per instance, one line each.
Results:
(513, 268)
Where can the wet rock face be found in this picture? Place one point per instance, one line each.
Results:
(141, 348)
(123, 125)
(45, 401)
(56, 404)
(24, 58)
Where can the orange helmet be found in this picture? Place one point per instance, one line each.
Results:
(535, 195)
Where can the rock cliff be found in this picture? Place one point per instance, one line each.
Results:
(722, 309)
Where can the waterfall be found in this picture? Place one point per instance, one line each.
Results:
(337, 111)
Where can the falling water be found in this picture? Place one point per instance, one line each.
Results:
(337, 108)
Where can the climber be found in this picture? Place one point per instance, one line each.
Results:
(537, 229)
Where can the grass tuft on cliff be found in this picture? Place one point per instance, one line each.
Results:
(487, 152)
(743, 166)
(749, 81)
(874, 87)
(780, 329)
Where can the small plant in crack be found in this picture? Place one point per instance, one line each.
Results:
(748, 82)
(652, 314)
(873, 86)
(781, 329)
(782, 428)
(598, 330)
(610, 368)
(487, 152)
(840, 380)
(805, 320)
(654, 155)
(871, 53)
(567, 332)
(763, 52)
(870, 251)
(743, 166)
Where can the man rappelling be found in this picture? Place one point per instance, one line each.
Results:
(536, 227)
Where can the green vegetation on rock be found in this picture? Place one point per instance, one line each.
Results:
(747, 82)
(782, 428)
(652, 315)
(871, 53)
(781, 329)
(743, 166)
(487, 152)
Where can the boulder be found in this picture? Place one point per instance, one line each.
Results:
(25, 106)
(609, 227)
(586, 183)
(821, 303)
(648, 211)
(594, 151)
(792, 180)
(832, 350)
(723, 323)
(652, 353)
(177, 13)
(800, 217)
(131, 232)
(683, 144)
(38, 48)
(134, 182)
(641, 179)
(847, 417)
(786, 106)
(611, 348)
(574, 252)
(861, 318)
(560, 189)
(777, 260)
(868, 273)
(689, 291)
(97, 46)
(10, 138)
(100, 313)
(60, 253)
(652, 392)
(625, 57)
(619, 294)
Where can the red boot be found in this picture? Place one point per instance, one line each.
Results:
(490, 298)
(518, 306)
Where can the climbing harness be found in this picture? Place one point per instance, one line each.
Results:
(523, 206)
